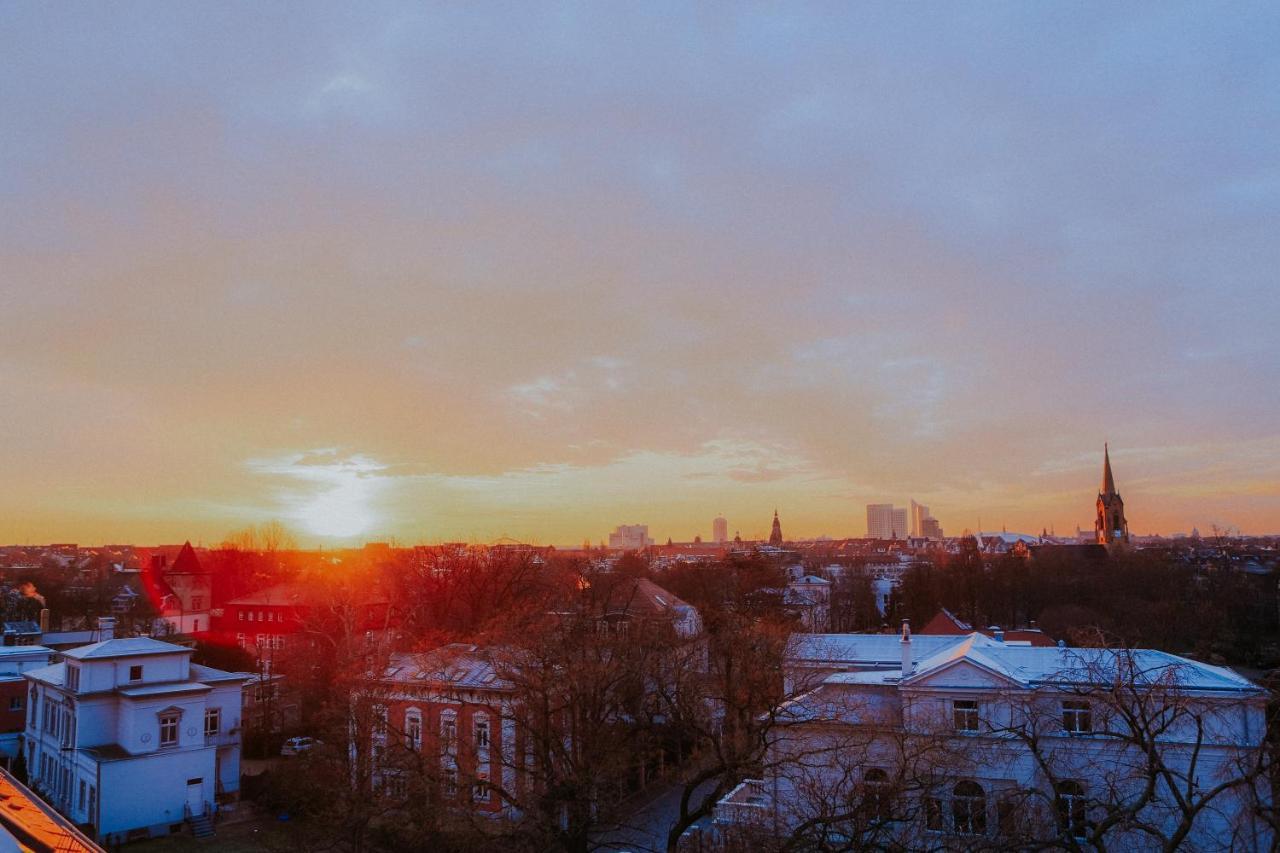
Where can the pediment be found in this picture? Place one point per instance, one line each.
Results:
(963, 672)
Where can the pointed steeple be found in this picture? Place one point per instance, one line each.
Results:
(775, 537)
(1108, 482)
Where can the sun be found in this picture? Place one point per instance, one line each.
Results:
(340, 511)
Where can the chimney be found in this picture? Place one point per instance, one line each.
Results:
(997, 633)
(106, 628)
(906, 648)
(44, 620)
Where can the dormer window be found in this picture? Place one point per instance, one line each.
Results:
(135, 672)
(73, 678)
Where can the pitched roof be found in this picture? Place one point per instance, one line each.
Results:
(642, 597)
(186, 563)
(452, 665)
(1108, 481)
(35, 825)
(125, 647)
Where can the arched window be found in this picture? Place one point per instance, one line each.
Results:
(1071, 807)
(969, 808)
(875, 794)
(480, 730)
(448, 729)
(413, 729)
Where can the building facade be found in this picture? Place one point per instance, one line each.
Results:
(630, 537)
(129, 737)
(719, 530)
(884, 521)
(971, 741)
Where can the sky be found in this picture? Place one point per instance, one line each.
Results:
(470, 271)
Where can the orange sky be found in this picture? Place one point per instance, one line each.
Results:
(439, 275)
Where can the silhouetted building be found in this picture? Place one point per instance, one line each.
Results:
(775, 536)
(720, 529)
(1111, 526)
(886, 522)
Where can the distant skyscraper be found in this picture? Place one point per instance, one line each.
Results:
(719, 529)
(885, 522)
(930, 528)
(919, 512)
(775, 536)
(630, 537)
(1111, 525)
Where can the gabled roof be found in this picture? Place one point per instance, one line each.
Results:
(186, 563)
(863, 651)
(125, 647)
(1031, 666)
(34, 824)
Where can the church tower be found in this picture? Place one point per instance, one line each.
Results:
(1111, 526)
(775, 538)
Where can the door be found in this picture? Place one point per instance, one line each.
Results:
(195, 796)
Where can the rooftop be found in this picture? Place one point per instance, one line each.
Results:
(125, 647)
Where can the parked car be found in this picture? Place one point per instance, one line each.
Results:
(298, 745)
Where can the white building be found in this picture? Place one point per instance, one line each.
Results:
(15, 662)
(886, 522)
(128, 736)
(971, 740)
(630, 537)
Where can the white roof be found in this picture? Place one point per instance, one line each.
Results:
(124, 647)
(1029, 666)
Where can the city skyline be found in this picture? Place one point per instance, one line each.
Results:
(372, 278)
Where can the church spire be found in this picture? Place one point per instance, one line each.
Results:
(775, 537)
(1108, 482)
(1111, 525)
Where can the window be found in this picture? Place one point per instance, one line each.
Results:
(933, 814)
(380, 720)
(73, 678)
(240, 615)
(449, 781)
(448, 728)
(875, 794)
(82, 791)
(1071, 807)
(965, 712)
(240, 638)
(169, 728)
(1076, 717)
(413, 730)
(197, 602)
(480, 790)
(250, 615)
(135, 672)
(15, 703)
(480, 727)
(396, 786)
(969, 808)
(1009, 816)
(212, 721)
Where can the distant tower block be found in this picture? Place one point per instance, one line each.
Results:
(720, 530)
(775, 537)
(1111, 526)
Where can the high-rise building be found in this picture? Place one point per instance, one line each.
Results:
(886, 522)
(919, 512)
(630, 537)
(930, 528)
(719, 529)
(1111, 525)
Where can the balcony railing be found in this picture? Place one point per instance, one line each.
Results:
(747, 804)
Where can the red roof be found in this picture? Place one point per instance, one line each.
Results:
(186, 563)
